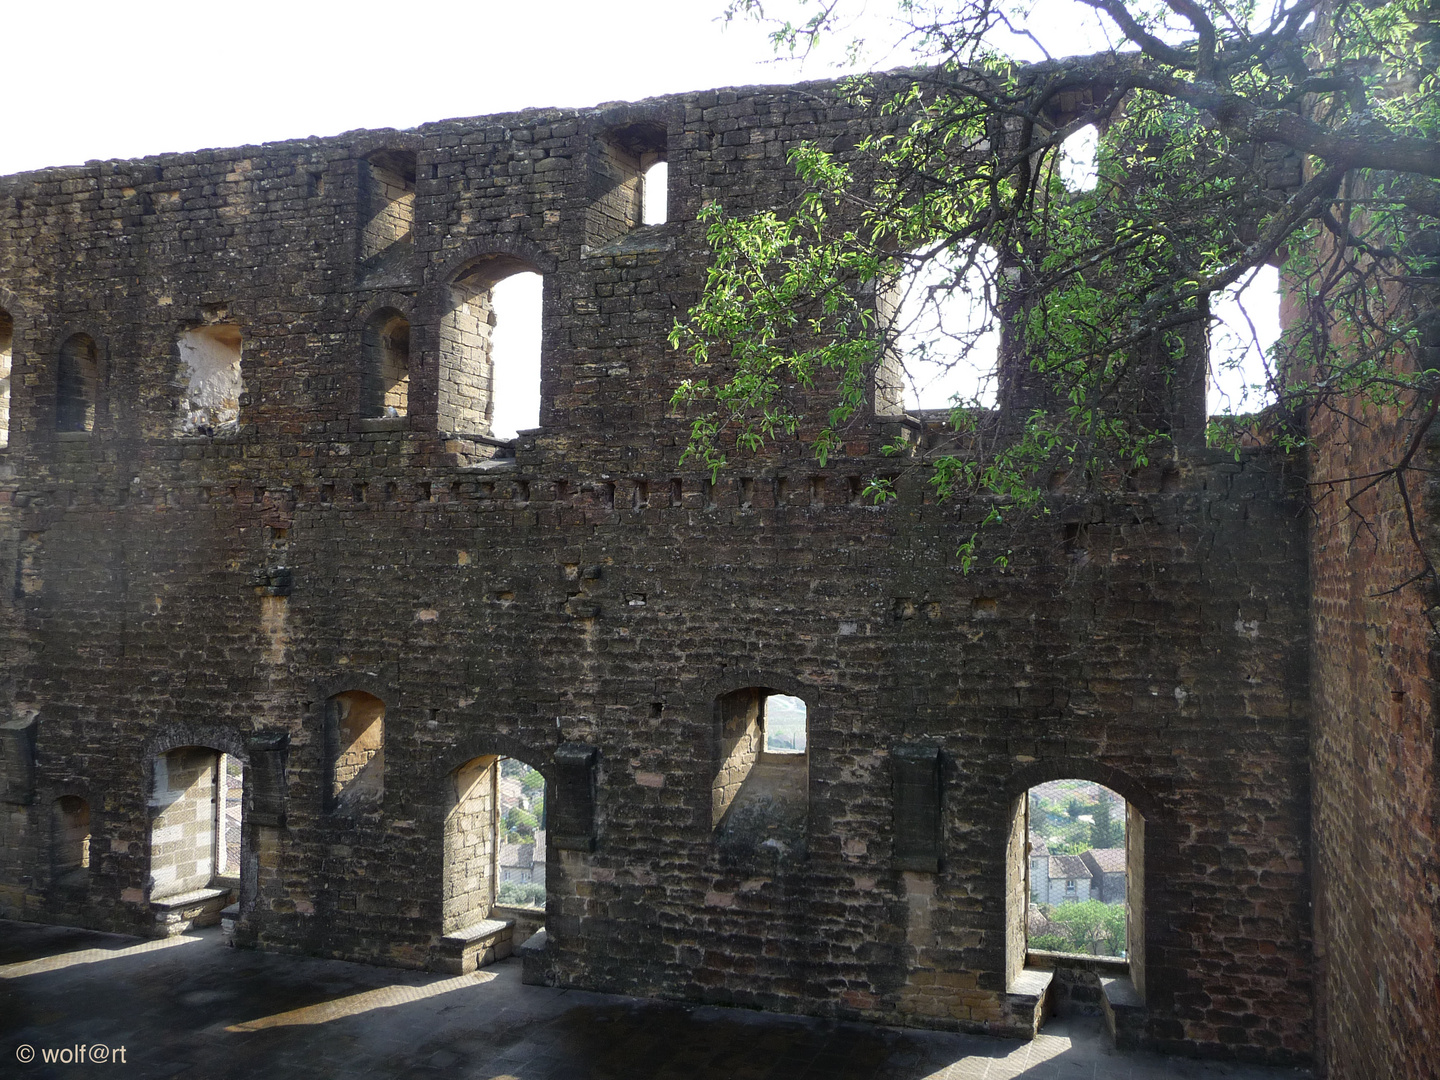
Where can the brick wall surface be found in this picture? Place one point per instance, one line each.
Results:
(1374, 749)
(218, 591)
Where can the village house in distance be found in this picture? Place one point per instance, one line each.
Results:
(293, 639)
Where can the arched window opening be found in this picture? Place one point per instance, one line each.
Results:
(656, 187)
(385, 354)
(1244, 328)
(490, 350)
(387, 203)
(1077, 869)
(210, 367)
(195, 826)
(71, 840)
(77, 379)
(760, 791)
(495, 864)
(7, 352)
(355, 744)
(943, 341)
(1079, 164)
(621, 164)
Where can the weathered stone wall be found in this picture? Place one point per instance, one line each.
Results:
(1375, 748)
(222, 589)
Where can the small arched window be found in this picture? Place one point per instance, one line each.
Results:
(355, 740)
(1075, 875)
(385, 353)
(77, 378)
(655, 187)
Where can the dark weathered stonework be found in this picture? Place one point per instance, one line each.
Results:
(583, 602)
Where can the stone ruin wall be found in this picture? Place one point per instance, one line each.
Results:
(218, 590)
(1375, 752)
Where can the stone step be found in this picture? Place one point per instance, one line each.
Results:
(473, 947)
(1027, 1003)
(535, 971)
(189, 910)
(1124, 1011)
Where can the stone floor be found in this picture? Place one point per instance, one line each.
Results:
(191, 1007)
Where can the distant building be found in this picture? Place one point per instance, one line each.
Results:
(1067, 880)
(1107, 874)
(523, 864)
(1039, 868)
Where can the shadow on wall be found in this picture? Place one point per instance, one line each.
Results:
(760, 798)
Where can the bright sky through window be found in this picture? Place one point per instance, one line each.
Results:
(515, 350)
(1245, 324)
(947, 339)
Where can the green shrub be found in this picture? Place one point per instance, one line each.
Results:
(521, 894)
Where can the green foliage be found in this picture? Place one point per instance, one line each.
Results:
(1105, 832)
(1085, 927)
(1103, 293)
(520, 823)
(521, 894)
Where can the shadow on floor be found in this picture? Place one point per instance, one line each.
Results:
(191, 1007)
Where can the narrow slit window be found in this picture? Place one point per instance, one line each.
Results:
(1080, 160)
(385, 351)
(520, 859)
(229, 800)
(1244, 327)
(355, 736)
(7, 352)
(657, 193)
(71, 839)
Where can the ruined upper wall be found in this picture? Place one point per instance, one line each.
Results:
(299, 243)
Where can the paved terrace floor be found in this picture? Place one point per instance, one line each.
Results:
(192, 1007)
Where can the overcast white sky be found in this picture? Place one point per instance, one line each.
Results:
(99, 80)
